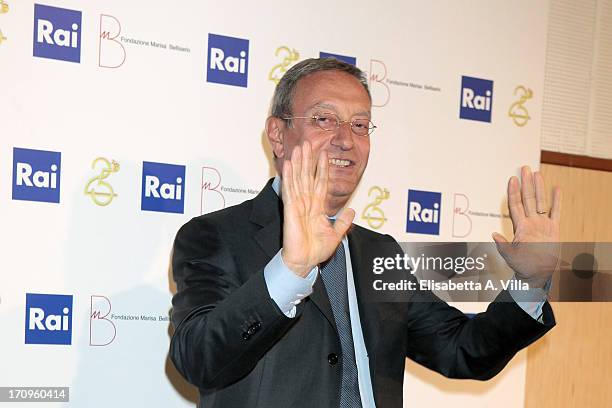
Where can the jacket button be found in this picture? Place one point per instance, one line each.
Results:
(332, 359)
(254, 328)
(245, 336)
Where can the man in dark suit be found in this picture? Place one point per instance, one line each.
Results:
(272, 307)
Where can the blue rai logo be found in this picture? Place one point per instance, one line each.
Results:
(36, 175)
(476, 99)
(48, 319)
(57, 33)
(343, 58)
(424, 212)
(162, 187)
(228, 60)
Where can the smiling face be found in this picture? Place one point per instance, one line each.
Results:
(327, 92)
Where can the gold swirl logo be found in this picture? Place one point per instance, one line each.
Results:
(374, 215)
(100, 191)
(289, 57)
(4, 8)
(518, 112)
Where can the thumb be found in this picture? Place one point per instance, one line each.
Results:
(504, 247)
(499, 238)
(344, 221)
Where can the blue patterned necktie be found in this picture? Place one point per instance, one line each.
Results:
(334, 278)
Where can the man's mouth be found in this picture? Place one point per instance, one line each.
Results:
(340, 162)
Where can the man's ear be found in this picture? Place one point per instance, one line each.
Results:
(274, 131)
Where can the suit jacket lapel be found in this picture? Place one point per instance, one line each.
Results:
(320, 298)
(267, 212)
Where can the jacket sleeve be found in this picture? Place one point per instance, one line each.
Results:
(445, 340)
(223, 326)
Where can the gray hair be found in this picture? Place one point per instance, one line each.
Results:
(282, 101)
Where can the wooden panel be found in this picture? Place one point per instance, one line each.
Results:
(587, 202)
(573, 160)
(572, 365)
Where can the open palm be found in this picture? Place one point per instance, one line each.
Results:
(534, 252)
(309, 237)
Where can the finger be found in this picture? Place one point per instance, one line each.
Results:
(540, 193)
(515, 205)
(307, 176)
(344, 221)
(555, 211)
(528, 191)
(320, 188)
(296, 164)
(287, 192)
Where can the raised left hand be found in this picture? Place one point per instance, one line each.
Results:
(533, 254)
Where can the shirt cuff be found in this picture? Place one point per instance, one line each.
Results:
(285, 287)
(531, 300)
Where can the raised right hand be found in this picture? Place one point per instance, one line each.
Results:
(309, 238)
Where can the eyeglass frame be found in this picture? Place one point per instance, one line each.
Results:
(338, 123)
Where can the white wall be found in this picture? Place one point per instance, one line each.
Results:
(157, 106)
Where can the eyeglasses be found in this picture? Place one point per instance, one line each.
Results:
(330, 122)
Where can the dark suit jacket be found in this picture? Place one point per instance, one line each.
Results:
(234, 343)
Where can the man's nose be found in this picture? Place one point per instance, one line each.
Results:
(343, 137)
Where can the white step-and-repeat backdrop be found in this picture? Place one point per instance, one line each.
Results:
(120, 121)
